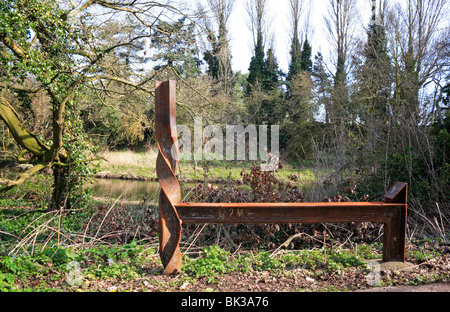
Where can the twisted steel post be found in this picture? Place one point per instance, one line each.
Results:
(166, 164)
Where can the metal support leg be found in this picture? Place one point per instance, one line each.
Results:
(166, 163)
(394, 240)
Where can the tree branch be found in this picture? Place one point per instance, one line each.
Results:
(20, 88)
(23, 177)
(22, 136)
(18, 51)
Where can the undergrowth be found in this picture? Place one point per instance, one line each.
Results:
(116, 242)
(213, 261)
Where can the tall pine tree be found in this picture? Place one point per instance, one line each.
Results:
(257, 68)
(273, 73)
(296, 58)
(305, 58)
(263, 71)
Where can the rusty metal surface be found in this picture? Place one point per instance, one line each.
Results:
(396, 193)
(166, 138)
(392, 211)
(286, 212)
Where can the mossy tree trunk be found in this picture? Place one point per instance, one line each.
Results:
(42, 155)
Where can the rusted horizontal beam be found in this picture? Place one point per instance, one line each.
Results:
(392, 214)
(287, 212)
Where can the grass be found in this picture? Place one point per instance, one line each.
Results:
(35, 260)
(59, 268)
(69, 268)
(127, 162)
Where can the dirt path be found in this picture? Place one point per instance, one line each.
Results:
(437, 287)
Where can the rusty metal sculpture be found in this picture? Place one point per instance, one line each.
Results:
(172, 212)
(166, 164)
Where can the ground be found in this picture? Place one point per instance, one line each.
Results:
(437, 287)
(394, 276)
(298, 280)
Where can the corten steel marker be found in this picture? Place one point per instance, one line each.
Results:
(170, 195)
(172, 212)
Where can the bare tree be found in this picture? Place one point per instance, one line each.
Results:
(219, 54)
(341, 25)
(418, 39)
(258, 22)
(300, 19)
(295, 13)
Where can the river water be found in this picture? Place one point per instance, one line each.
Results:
(112, 189)
(129, 189)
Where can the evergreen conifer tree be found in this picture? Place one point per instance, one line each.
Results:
(258, 66)
(305, 58)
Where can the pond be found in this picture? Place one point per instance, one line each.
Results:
(131, 190)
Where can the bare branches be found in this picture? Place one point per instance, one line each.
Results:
(341, 25)
(296, 9)
(257, 12)
(15, 86)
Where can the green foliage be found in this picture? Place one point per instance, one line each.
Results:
(80, 171)
(441, 137)
(112, 261)
(16, 222)
(425, 249)
(299, 127)
(264, 262)
(60, 256)
(19, 18)
(176, 50)
(257, 66)
(6, 282)
(48, 60)
(56, 263)
(306, 63)
(212, 261)
(369, 251)
(263, 72)
(415, 167)
(323, 259)
(295, 62)
(7, 270)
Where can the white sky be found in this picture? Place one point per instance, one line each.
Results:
(241, 38)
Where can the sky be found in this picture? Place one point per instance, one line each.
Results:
(241, 38)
